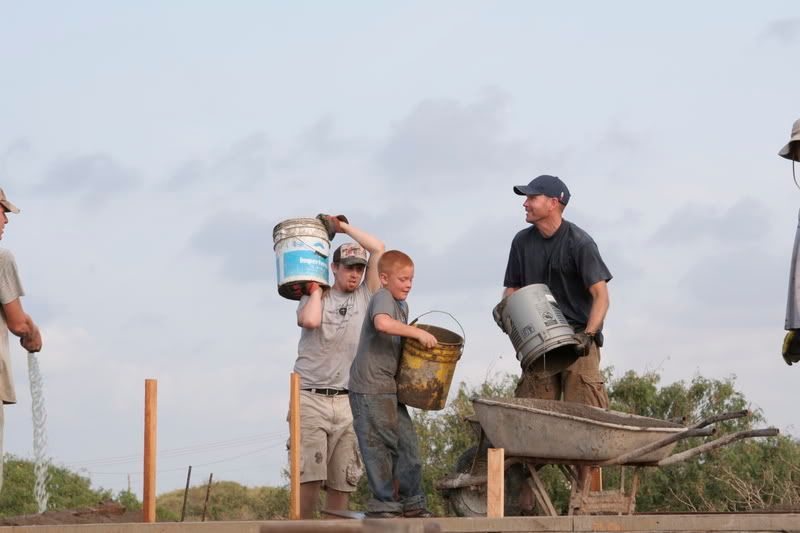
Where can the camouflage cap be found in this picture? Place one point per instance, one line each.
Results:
(350, 253)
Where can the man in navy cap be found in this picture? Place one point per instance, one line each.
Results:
(561, 255)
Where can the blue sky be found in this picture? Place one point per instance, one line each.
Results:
(152, 148)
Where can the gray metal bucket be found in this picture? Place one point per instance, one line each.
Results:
(536, 326)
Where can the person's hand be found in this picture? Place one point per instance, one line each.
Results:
(791, 347)
(303, 288)
(332, 223)
(310, 287)
(498, 318)
(585, 341)
(426, 339)
(32, 342)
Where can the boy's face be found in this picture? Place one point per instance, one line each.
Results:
(347, 278)
(398, 282)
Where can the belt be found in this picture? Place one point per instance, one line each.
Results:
(328, 392)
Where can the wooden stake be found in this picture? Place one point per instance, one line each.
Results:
(208, 493)
(150, 425)
(495, 486)
(596, 478)
(186, 493)
(294, 446)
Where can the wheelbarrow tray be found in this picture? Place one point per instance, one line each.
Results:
(569, 432)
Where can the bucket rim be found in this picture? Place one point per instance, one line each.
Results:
(442, 343)
(290, 222)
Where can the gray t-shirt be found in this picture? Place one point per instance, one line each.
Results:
(324, 354)
(10, 290)
(378, 354)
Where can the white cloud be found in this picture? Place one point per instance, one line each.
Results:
(92, 178)
(783, 31)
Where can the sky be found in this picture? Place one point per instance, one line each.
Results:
(153, 146)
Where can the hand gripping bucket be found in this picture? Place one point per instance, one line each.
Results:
(301, 254)
(537, 327)
(424, 375)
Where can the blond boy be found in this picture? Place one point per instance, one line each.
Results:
(385, 433)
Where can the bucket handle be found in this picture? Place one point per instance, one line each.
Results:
(315, 250)
(463, 334)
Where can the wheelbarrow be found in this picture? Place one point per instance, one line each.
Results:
(539, 432)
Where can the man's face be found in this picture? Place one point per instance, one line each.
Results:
(398, 282)
(3, 222)
(347, 278)
(538, 207)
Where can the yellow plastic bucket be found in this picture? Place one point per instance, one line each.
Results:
(424, 375)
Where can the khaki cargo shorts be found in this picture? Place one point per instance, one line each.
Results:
(581, 382)
(328, 445)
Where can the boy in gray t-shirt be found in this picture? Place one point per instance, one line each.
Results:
(384, 430)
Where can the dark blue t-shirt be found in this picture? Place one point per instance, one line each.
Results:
(568, 262)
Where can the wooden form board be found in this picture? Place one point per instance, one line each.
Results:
(496, 484)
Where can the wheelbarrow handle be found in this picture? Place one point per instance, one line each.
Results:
(719, 418)
(714, 444)
(669, 439)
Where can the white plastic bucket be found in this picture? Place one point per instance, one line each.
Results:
(301, 254)
(536, 326)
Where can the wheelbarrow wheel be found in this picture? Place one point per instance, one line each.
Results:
(471, 501)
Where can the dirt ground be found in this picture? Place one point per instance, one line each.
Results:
(107, 512)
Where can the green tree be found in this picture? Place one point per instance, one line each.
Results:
(128, 500)
(228, 500)
(748, 475)
(67, 489)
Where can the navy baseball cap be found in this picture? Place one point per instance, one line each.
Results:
(547, 185)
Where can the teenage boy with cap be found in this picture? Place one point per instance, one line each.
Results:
(561, 255)
(791, 342)
(12, 318)
(331, 325)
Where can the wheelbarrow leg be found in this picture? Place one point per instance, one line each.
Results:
(540, 492)
(585, 501)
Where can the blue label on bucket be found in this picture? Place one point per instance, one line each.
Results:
(304, 263)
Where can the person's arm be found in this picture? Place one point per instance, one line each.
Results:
(22, 325)
(508, 291)
(600, 303)
(310, 315)
(512, 281)
(390, 326)
(373, 246)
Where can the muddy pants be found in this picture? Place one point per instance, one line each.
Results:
(581, 382)
(389, 449)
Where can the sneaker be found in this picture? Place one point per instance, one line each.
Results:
(381, 514)
(417, 513)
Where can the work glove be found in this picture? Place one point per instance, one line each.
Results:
(331, 223)
(585, 341)
(791, 347)
(498, 319)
